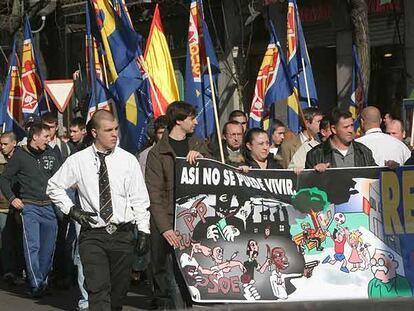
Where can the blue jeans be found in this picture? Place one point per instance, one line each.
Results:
(39, 239)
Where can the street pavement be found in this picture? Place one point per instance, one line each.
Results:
(15, 299)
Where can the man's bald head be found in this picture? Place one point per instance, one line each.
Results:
(99, 116)
(371, 117)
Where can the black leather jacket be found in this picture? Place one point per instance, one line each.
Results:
(323, 153)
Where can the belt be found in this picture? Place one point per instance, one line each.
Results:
(112, 228)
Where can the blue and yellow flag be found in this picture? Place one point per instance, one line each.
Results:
(11, 116)
(358, 99)
(272, 83)
(198, 88)
(99, 97)
(129, 85)
(300, 69)
(121, 44)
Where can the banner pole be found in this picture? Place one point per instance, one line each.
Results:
(213, 95)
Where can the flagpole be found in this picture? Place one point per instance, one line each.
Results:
(306, 82)
(213, 95)
(104, 71)
(412, 130)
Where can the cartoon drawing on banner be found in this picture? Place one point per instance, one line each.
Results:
(386, 282)
(275, 236)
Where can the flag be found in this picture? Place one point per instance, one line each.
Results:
(159, 66)
(129, 87)
(32, 82)
(99, 97)
(198, 88)
(121, 45)
(358, 99)
(10, 101)
(272, 83)
(299, 67)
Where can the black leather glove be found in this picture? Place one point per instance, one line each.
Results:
(83, 218)
(142, 243)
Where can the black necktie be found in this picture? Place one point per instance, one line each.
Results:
(105, 201)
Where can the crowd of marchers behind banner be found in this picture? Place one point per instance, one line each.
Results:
(40, 249)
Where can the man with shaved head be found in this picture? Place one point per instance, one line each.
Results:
(113, 204)
(384, 147)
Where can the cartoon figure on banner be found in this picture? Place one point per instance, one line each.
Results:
(386, 282)
(357, 256)
(224, 225)
(193, 278)
(251, 264)
(311, 236)
(339, 237)
(279, 280)
(221, 266)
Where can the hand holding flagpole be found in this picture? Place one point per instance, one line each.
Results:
(213, 97)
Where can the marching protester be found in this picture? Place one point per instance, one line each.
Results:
(12, 256)
(77, 132)
(62, 261)
(257, 148)
(312, 117)
(31, 166)
(239, 116)
(299, 158)
(396, 129)
(113, 203)
(233, 139)
(160, 124)
(277, 137)
(62, 149)
(384, 147)
(324, 129)
(177, 141)
(340, 150)
(140, 264)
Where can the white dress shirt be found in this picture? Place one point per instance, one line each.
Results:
(384, 147)
(130, 200)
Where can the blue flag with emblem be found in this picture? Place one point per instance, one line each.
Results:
(11, 98)
(197, 83)
(272, 83)
(300, 69)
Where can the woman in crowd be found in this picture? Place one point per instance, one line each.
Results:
(257, 150)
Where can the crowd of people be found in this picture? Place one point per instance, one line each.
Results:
(80, 207)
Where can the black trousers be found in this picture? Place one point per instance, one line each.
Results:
(12, 256)
(170, 289)
(107, 264)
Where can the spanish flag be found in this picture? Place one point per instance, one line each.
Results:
(160, 68)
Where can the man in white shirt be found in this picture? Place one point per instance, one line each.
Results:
(113, 203)
(312, 118)
(384, 147)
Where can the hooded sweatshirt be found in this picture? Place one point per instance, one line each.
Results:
(31, 169)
